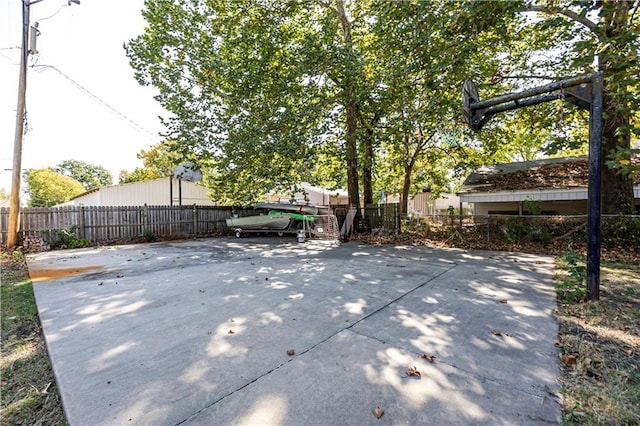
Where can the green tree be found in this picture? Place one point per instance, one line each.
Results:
(47, 188)
(158, 161)
(89, 175)
(265, 94)
(425, 58)
(567, 38)
(527, 41)
(262, 89)
(540, 131)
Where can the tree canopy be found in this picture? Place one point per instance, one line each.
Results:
(89, 175)
(47, 188)
(367, 93)
(157, 162)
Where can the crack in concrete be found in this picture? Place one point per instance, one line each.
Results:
(265, 374)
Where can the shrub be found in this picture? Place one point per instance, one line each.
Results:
(66, 239)
(573, 287)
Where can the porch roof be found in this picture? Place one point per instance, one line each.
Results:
(550, 173)
(559, 194)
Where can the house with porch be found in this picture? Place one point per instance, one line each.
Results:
(558, 186)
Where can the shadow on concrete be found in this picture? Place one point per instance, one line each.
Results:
(197, 332)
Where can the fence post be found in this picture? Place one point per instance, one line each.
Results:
(195, 221)
(145, 219)
(81, 226)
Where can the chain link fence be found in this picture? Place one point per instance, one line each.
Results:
(616, 230)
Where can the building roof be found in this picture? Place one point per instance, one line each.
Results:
(550, 173)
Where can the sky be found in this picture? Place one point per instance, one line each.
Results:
(83, 102)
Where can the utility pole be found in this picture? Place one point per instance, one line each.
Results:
(14, 201)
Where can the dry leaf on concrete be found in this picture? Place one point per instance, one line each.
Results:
(413, 372)
(430, 358)
(378, 412)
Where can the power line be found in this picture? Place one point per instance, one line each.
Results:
(97, 99)
(13, 62)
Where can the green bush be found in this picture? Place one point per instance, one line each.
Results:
(149, 236)
(514, 229)
(66, 239)
(622, 230)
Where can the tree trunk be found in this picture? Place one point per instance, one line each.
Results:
(367, 168)
(349, 101)
(406, 189)
(617, 189)
(352, 156)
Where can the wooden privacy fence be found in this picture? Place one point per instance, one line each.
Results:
(104, 224)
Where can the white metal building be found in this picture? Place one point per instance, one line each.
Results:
(157, 192)
(425, 204)
(313, 195)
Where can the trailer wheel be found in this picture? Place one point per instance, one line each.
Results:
(238, 233)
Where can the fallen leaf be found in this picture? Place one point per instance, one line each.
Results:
(291, 352)
(496, 333)
(232, 332)
(378, 412)
(504, 301)
(557, 344)
(413, 372)
(120, 276)
(628, 351)
(568, 359)
(430, 358)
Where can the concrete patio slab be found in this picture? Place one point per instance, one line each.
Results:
(197, 332)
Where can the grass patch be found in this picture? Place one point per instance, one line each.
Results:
(28, 392)
(599, 345)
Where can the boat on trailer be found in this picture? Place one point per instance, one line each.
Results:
(281, 218)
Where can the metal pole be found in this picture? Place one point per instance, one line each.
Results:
(14, 200)
(517, 104)
(570, 82)
(171, 190)
(595, 186)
